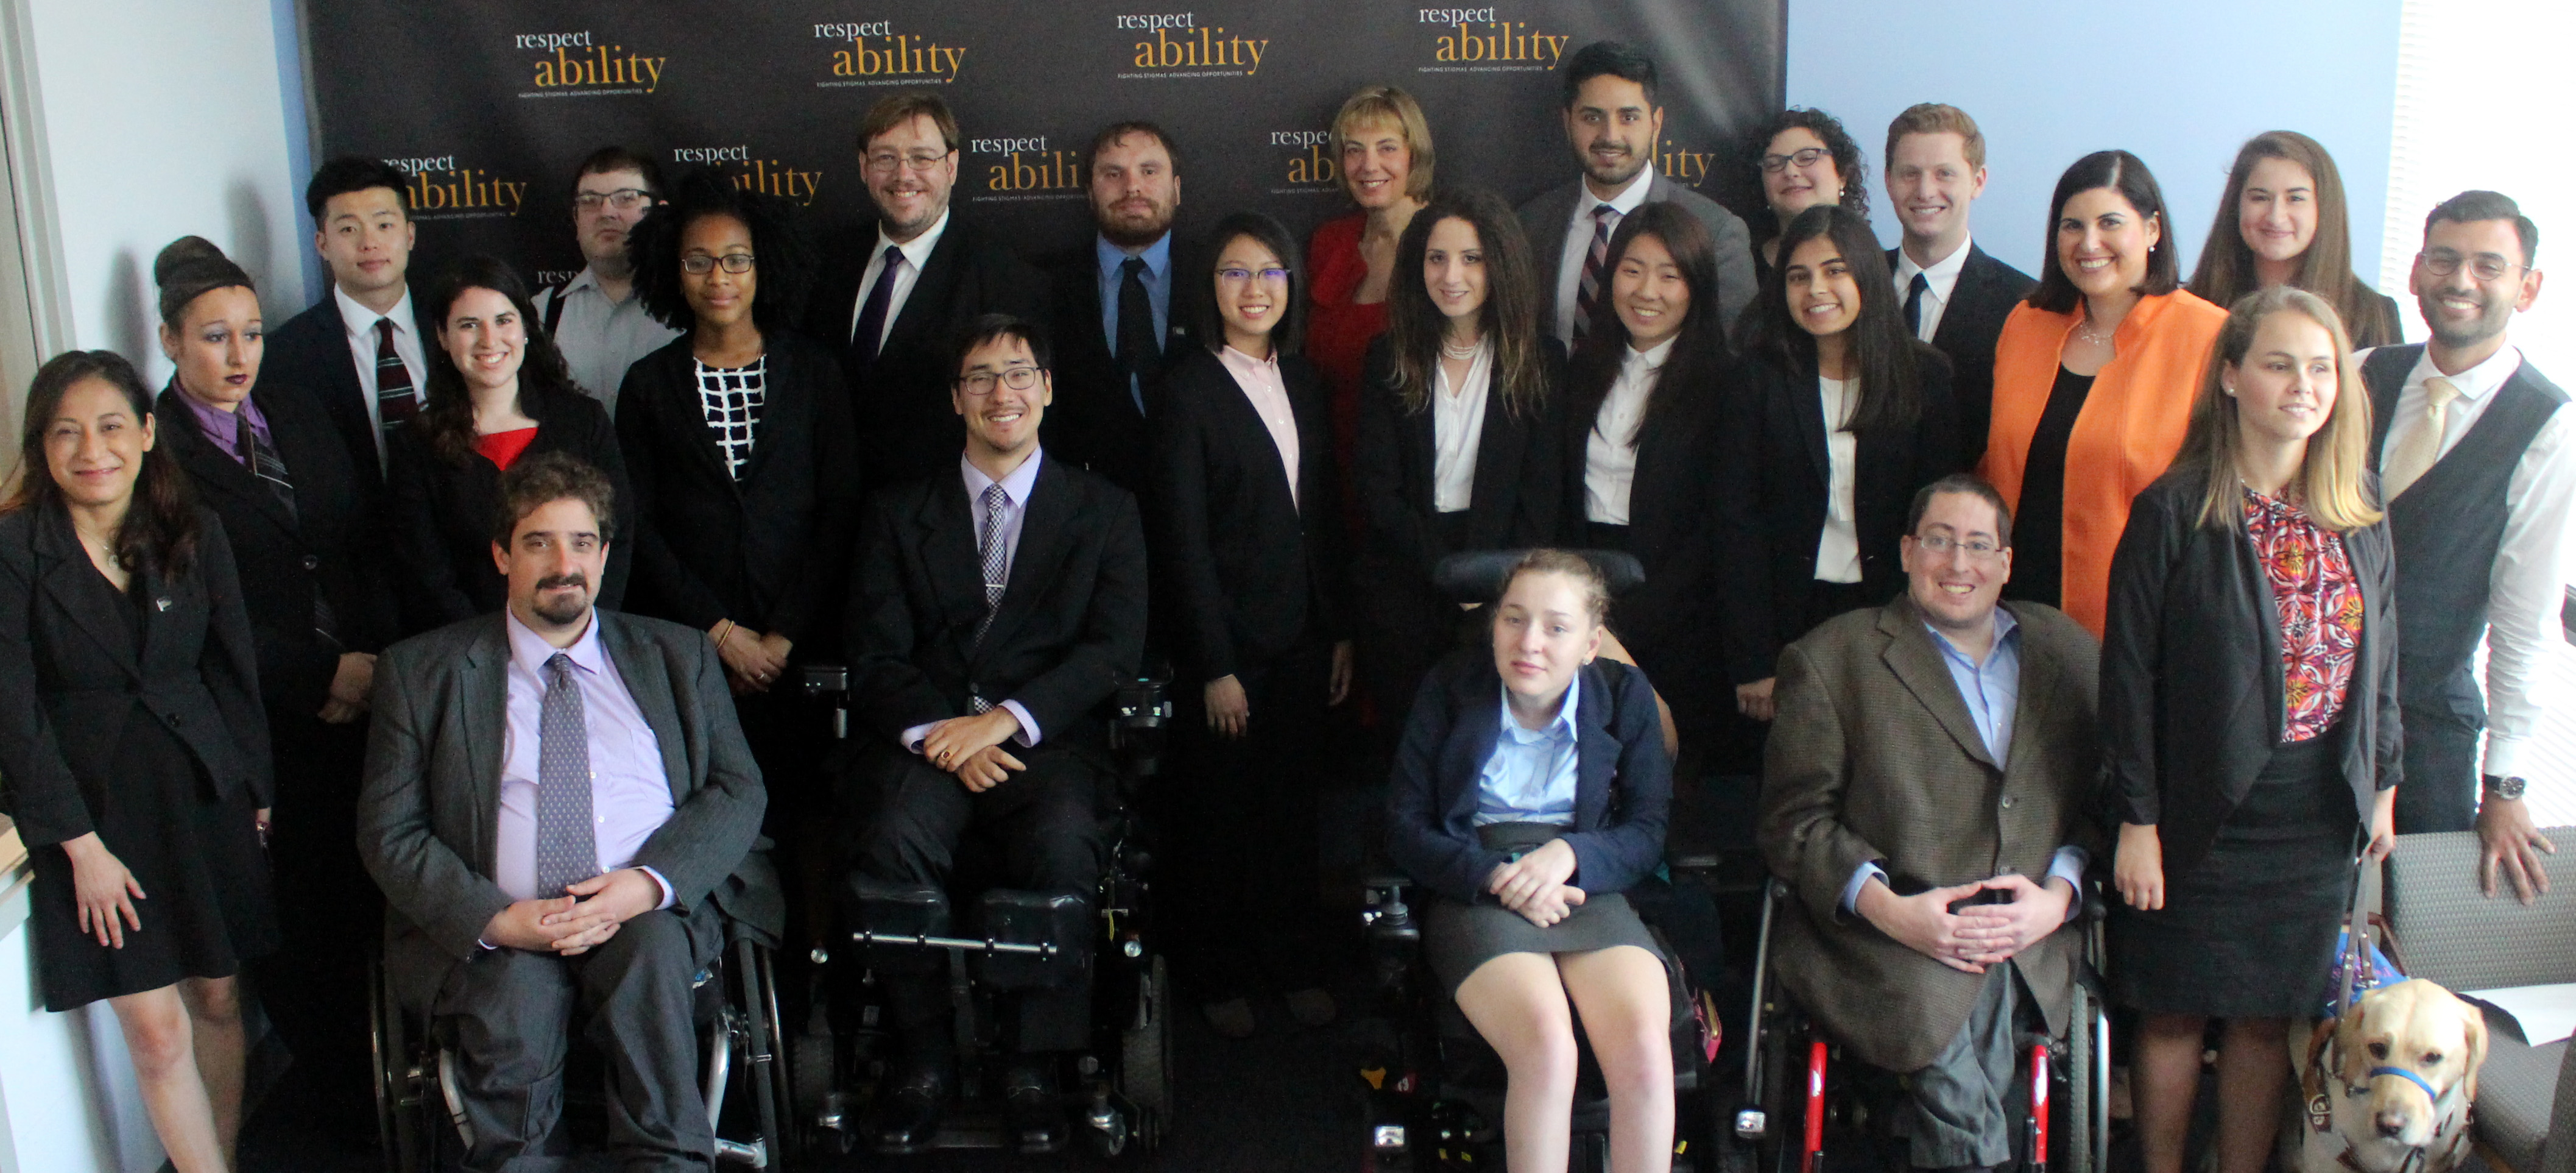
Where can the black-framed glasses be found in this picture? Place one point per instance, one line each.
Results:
(624, 199)
(1239, 276)
(1775, 164)
(2442, 262)
(1940, 545)
(701, 264)
(1016, 378)
(885, 162)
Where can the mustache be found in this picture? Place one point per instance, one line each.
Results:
(552, 581)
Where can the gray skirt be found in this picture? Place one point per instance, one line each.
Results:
(1458, 937)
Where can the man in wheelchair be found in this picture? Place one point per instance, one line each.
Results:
(976, 692)
(562, 811)
(1925, 799)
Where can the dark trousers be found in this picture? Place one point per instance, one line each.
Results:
(509, 1014)
(314, 988)
(1242, 824)
(1044, 825)
(2441, 788)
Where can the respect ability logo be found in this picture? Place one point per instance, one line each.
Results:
(1175, 44)
(573, 65)
(1481, 40)
(441, 189)
(872, 53)
(752, 171)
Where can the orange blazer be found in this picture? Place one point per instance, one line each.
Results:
(2130, 428)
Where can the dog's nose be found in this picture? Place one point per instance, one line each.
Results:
(2390, 1124)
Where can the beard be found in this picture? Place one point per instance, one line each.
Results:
(561, 610)
(2491, 321)
(1126, 233)
(1616, 173)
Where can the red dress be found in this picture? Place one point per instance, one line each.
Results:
(503, 448)
(1339, 329)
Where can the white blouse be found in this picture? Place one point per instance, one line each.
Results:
(1838, 547)
(1610, 452)
(1457, 427)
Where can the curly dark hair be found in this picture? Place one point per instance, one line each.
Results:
(447, 421)
(1849, 163)
(784, 261)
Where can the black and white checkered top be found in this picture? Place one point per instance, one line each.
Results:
(731, 397)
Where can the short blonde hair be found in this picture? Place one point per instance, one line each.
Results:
(1389, 106)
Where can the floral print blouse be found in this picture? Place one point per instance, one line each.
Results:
(2319, 603)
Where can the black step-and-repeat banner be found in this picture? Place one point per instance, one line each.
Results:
(489, 104)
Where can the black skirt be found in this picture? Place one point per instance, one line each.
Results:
(1457, 937)
(2250, 931)
(205, 880)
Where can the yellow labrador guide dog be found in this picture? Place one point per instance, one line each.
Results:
(2387, 1087)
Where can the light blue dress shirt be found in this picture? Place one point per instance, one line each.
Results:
(1158, 293)
(1529, 778)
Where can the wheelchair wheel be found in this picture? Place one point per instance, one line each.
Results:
(403, 1130)
(1145, 1057)
(2079, 1082)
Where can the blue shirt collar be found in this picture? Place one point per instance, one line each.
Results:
(1157, 257)
(1016, 486)
(1563, 726)
(2005, 627)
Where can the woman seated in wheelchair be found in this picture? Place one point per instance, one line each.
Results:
(1530, 792)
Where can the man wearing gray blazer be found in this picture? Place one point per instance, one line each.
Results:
(1614, 119)
(1925, 798)
(561, 810)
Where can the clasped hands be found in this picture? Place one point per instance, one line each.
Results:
(752, 661)
(1974, 937)
(1535, 884)
(971, 748)
(571, 925)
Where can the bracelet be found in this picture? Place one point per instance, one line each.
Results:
(724, 631)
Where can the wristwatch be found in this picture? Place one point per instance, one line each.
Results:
(2505, 788)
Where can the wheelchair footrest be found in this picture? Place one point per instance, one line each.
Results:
(1036, 940)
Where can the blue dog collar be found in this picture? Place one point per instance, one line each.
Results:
(2409, 1077)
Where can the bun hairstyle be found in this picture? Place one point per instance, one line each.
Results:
(189, 268)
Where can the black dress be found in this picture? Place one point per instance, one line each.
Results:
(2039, 523)
(195, 854)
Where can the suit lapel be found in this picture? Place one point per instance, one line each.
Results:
(211, 467)
(927, 304)
(78, 588)
(1807, 406)
(944, 533)
(1037, 561)
(1970, 285)
(782, 398)
(485, 714)
(689, 416)
(648, 681)
(1918, 665)
(1480, 712)
(1596, 750)
(2036, 704)
(1498, 449)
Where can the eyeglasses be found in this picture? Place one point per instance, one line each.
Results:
(701, 264)
(1775, 164)
(885, 162)
(2442, 262)
(1940, 545)
(624, 199)
(1239, 276)
(1016, 378)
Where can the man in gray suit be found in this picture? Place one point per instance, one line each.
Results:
(1614, 119)
(561, 809)
(1925, 799)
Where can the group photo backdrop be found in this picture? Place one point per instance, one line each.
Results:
(489, 104)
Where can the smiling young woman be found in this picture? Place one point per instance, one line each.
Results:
(2283, 221)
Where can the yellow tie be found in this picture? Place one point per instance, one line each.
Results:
(2423, 445)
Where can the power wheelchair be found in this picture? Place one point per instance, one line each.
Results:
(1012, 940)
(1435, 1088)
(421, 1125)
(1803, 1099)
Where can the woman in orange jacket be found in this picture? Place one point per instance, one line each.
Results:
(2094, 377)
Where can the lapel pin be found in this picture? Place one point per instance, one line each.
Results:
(163, 604)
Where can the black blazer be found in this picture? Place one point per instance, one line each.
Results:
(1774, 482)
(1622, 791)
(76, 681)
(311, 353)
(1070, 630)
(1987, 291)
(1244, 573)
(2191, 670)
(439, 514)
(907, 428)
(1513, 502)
(768, 551)
(1095, 420)
(326, 548)
(1673, 526)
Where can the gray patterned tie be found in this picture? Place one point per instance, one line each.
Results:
(997, 572)
(567, 849)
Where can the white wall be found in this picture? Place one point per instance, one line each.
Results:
(2181, 83)
(163, 118)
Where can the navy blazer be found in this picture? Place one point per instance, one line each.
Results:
(310, 353)
(1623, 779)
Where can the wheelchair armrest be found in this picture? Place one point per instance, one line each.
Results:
(1140, 722)
(1394, 933)
(820, 679)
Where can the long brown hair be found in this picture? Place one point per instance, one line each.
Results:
(2330, 474)
(159, 533)
(1509, 316)
(2226, 269)
(1884, 354)
(447, 421)
(1699, 354)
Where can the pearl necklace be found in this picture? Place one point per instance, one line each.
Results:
(1462, 354)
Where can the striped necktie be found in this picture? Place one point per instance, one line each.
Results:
(396, 399)
(1587, 292)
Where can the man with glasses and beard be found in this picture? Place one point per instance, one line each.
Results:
(2476, 467)
(595, 319)
(1614, 120)
(595, 867)
(1117, 328)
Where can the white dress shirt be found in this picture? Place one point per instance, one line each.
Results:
(1268, 391)
(1457, 426)
(1016, 488)
(1578, 243)
(360, 322)
(2528, 583)
(600, 338)
(1939, 282)
(630, 795)
(1838, 547)
(916, 253)
(1610, 451)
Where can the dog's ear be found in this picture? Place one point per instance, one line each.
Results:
(2476, 1030)
(2352, 1056)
